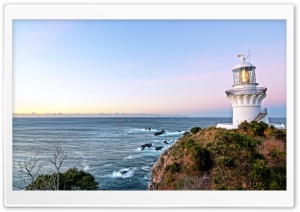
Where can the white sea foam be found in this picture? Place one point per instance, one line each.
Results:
(145, 150)
(167, 133)
(129, 157)
(147, 176)
(79, 153)
(118, 174)
(146, 168)
(86, 167)
(135, 130)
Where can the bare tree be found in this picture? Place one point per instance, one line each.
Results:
(58, 158)
(29, 170)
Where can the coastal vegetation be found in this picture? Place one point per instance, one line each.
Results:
(72, 179)
(31, 178)
(252, 157)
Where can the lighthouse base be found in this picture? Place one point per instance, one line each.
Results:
(230, 126)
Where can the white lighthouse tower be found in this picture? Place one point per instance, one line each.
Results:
(245, 96)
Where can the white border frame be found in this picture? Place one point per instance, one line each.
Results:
(147, 198)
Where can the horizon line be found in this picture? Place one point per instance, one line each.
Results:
(122, 116)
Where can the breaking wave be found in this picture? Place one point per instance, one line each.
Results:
(123, 173)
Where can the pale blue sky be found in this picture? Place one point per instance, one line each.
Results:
(162, 67)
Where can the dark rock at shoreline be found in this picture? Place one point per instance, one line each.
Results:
(158, 148)
(146, 145)
(152, 186)
(165, 142)
(123, 172)
(148, 128)
(159, 133)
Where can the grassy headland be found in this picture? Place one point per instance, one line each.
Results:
(252, 157)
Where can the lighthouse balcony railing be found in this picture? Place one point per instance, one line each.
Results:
(246, 91)
(263, 110)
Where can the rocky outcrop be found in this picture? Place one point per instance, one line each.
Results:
(146, 145)
(159, 133)
(158, 148)
(158, 174)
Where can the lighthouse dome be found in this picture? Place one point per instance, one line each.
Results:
(243, 64)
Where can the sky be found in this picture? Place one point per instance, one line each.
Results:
(162, 67)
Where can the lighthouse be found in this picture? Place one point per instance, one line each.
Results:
(245, 96)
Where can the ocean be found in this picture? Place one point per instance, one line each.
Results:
(109, 148)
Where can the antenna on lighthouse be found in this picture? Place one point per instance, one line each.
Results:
(248, 55)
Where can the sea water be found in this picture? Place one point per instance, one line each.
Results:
(109, 148)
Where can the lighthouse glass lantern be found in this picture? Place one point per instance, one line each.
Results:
(244, 75)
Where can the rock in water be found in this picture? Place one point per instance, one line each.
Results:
(159, 133)
(166, 142)
(123, 172)
(158, 148)
(146, 145)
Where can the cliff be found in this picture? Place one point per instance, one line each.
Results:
(252, 157)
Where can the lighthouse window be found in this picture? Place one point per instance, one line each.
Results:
(252, 75)
(236, 77)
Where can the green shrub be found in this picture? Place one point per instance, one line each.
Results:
(258, 128)
(173, 168)
(186, 134)
(275, 154)
(278, 178)
(230, 139)
(202, 157)
(244, 126)
(179, 184)
(188, 143)
(254, 127)
(72, 179)
(260, 175)
(194, 130)
(226, 161)
(169, 179)
(272, 132)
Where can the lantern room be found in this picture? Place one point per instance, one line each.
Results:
(244, 73)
